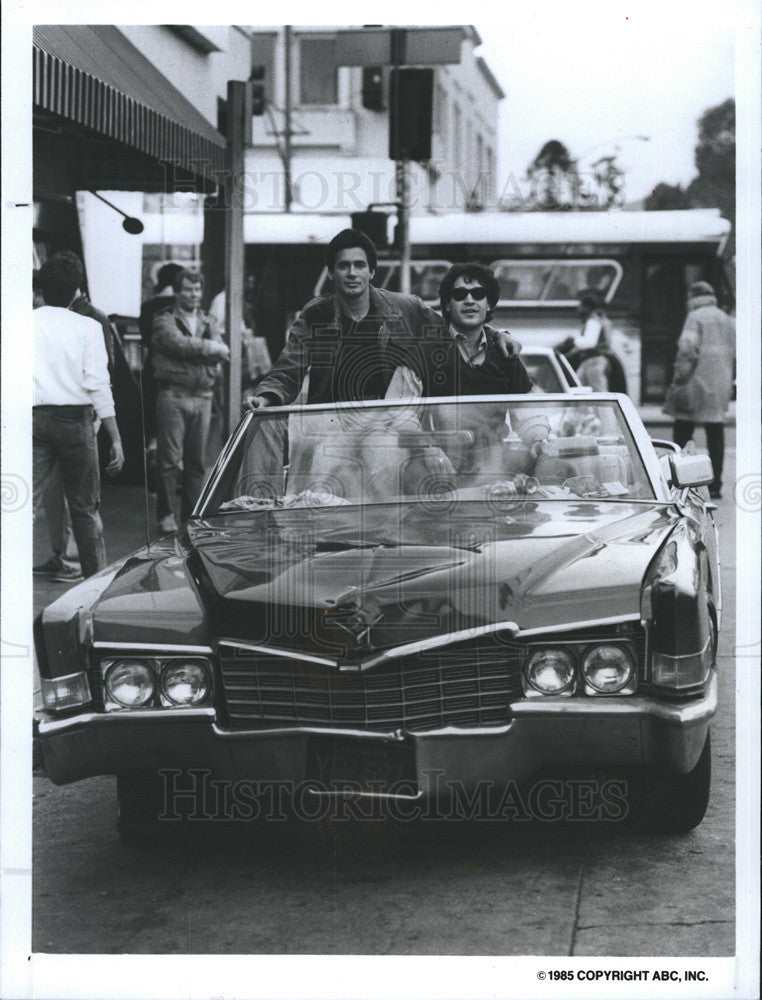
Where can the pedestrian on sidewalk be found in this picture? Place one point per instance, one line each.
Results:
(71, 388)
(187, 350)
(63, 565)
(702, 380)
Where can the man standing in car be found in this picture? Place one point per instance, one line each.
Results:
(187, 351)
(462, 357)
(353, 341)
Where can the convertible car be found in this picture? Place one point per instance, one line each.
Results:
(390, 600)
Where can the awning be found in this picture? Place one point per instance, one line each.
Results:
(123, 124)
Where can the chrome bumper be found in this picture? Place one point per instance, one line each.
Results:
(543, 734)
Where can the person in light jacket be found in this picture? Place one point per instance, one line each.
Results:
(702, 381)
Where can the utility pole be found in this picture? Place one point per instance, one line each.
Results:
(238, 137)
(401, 168)
(288, 195)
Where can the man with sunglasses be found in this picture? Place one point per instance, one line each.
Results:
(463, 356)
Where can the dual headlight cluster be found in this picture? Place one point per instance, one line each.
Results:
(145, 682)
(607, 668)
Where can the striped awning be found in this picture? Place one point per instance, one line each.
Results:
(93, 77)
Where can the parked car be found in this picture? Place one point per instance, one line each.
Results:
(424, 594)
(550, 370)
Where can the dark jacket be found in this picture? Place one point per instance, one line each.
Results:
(148, 312)
(183, 360)
(84, 307)
(438, 363)
(315, 338)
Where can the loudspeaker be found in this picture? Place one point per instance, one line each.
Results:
(411, 93)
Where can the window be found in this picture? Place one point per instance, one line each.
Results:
(317, 71)
(456, 137)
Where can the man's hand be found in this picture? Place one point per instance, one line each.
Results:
(257, 402)
(116, 458)
(508, 345)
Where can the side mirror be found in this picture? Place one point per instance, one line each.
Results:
(691, 470)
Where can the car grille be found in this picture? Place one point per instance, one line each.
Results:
(468, 684)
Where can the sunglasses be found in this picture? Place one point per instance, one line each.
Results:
(477, 293)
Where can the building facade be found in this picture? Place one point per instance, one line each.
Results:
(339, 129)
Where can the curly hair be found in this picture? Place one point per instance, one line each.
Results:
(346, 240)
(472, 271)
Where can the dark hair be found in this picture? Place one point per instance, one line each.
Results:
(591, 301)
(60, 277)
(472, 271)
(167, 274)
(36, 280)
(186, 274)
(347, 239)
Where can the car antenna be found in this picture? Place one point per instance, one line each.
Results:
(145, 454)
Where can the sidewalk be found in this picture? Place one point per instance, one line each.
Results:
(653, 416)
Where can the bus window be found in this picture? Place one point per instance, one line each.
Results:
(557, 282)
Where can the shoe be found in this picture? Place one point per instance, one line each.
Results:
(68, 572)
(49, 567)
(168, 524)
(715, 493)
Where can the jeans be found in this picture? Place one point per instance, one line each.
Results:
(182, 431)
(715, 442)
(64, 436)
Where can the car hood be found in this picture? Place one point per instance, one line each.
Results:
(344, 580)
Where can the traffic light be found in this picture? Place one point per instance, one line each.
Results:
(373, 88)
(258, 95)
(411, 95)
(374, 225)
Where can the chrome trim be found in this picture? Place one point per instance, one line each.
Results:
(356, 793)
(664, 443)
(371, 734)
(421, 645)
(718, 608)
(589, 623)
(272, 651)
(52, 726)
(154, 647)
(434, 642)
(694, 712)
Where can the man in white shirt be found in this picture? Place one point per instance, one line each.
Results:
(71, 388)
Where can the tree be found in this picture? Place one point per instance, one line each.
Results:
(715, 159)
(665, 197)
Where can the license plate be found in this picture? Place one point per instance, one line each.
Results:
(374, 765)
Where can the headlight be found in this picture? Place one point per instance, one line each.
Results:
(608, 669)
(185, 682)
(550, 671)
(130, 683)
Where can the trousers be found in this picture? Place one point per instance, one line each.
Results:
(64, 436)
(182, 432)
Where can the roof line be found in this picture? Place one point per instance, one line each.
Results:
(490, 77)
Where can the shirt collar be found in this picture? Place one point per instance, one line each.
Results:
(476, 357)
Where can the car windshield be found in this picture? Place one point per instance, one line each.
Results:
(454, 450)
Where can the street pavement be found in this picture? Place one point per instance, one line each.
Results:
(459, 888)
